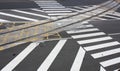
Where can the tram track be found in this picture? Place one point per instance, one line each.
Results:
(57, 28)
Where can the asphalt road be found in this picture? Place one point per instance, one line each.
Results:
(8, 4)
(63, 61)
(111, 27)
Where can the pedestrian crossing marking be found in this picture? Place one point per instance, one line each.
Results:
(16, 16)
(100, 46)
(88, 35)
(94, 40)
(110, 62)
(48, 61)
(83, 30)
(91, 43)
(12, 64)
(78, 60)
(102, 69)
(29, 13)
(105, 53)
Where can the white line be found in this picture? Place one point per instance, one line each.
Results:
(106, 53)
(64, 9)
(38, 10)
(100, 18)
(58, 11)
(59, 14)
(78, 60)
(102, 69)
(112, 17)
(94, 40)
(48, 61)
(16, 16)
(82, 30)
(110, 62)
(3, 20)
(11, 65)
(31, 14)
(99, 46)
(54, 7)
(47, 1)
(50, 5)
(88, 35)
(114, 34)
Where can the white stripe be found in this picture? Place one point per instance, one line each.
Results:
(112, 17)
(39, 3)
(38, 10)
(110, 62)
(102, 69)
(93, 40)
(50, 5)
(54, 7)
(11, 65)
(74, 9)
(31, 13)
(101, 18)
(85, 26)
(99, 46)
(82, 30)
(48, 61)
(3, 20)
(88, 35)
(46, 1)
(59, 14)
(106, 53)
(16, 16)
(78, 60)
(58, 11)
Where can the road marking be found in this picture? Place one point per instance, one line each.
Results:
(114, 34)
(63, 9)
(100, 18)
(59, 14)
(54, 11)
(3, 20)
(94, 40)
(110, 62)
(102, 69)
(31, 14)
(112, 17)
(106, 53)
(100, 46)
(88, 35)
(54, 7)
(38, 10)
(48, 61)
(12, 64)
(78, 60)
(16, 16)
(46, 1)
(82, 30)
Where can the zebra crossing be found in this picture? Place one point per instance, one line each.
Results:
(99, 45)
(57, 55)
(31, 14)
(109, 16)
(53, 8)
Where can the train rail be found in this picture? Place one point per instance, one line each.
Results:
(36, 30)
